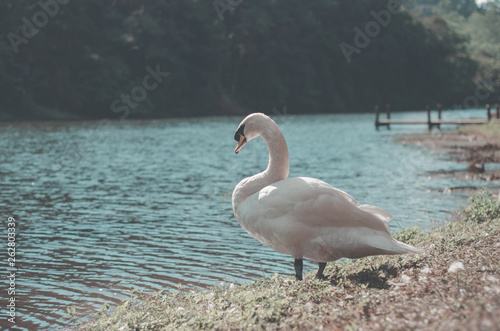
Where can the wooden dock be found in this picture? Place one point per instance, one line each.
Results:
(435, 122)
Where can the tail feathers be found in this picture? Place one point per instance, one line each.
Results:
(409, 249)
(390, 245)
(378, 212)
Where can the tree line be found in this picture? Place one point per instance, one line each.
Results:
(65, 59)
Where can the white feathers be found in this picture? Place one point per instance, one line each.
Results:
(379, 212)
(306, 217)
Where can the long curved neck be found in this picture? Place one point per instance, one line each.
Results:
(277, 168)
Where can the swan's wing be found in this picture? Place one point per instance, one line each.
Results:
(311, 202)
(308, 217)
(379, 212)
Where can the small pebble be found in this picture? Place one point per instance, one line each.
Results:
(309, 306)
(456, 266)
(406, 279)
(233, 309)
(492, 279)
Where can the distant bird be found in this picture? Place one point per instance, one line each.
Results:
(305, 217)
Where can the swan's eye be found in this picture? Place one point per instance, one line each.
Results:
(239, 133)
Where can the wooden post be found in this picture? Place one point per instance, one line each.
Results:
(388, 112)
(488, 110)
(429, 116)
(497, 106)
(376, 117)
(439, 108)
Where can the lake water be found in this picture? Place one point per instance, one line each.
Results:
(106, 207)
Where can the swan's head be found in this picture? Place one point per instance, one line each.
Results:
(250, 128)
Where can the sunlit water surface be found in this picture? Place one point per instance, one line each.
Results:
(106, 207)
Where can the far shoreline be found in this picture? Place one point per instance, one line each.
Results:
(477, 147)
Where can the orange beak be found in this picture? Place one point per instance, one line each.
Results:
(241, 143)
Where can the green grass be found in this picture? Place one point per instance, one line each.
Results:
(483, 208)
(375, 293)
(490, 131)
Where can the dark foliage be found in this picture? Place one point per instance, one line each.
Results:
(223, 57)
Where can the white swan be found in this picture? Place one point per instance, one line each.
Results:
(305, 217)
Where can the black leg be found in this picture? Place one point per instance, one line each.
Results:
(298, 268)
(319, 274)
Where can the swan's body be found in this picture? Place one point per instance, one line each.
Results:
(305, 217)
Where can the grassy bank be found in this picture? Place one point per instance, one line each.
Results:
(465, 135)
(454, 286)
(489, 132)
